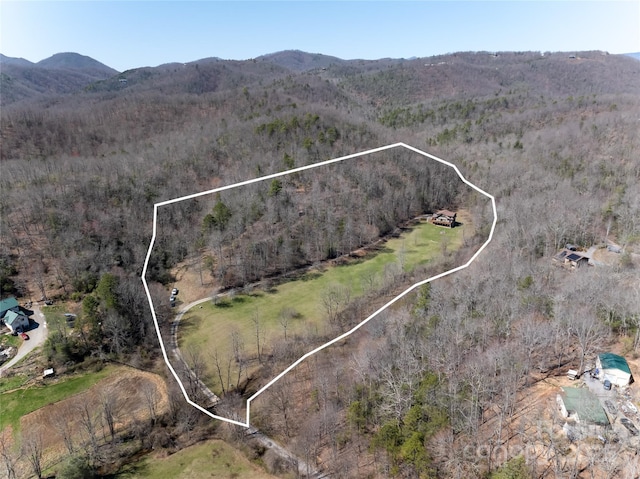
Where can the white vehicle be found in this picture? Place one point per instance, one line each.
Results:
(174, 292)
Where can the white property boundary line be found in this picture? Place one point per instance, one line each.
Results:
(342, 336)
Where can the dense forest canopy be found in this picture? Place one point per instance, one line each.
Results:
(554, 137)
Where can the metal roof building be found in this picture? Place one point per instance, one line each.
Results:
(614, 368)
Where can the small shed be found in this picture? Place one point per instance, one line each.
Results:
(614, 368)
(581, 406)
(16, 321)
(48, 372)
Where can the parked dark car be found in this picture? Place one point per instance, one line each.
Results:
(633, 430)
(607, 384)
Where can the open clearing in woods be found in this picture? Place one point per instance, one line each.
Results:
(48, 410)
(208, 328)
(205, 460)
(20, 402)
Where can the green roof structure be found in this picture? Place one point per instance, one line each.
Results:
(585, 405)
(11, 317)
(7, 304)
(613, 361)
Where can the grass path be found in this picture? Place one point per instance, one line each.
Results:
(209, 327)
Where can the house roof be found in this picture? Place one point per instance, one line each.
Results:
(11, 317)
(583, 403)
(445, 213)
(7, 304)
(613, 361)
(570, 255)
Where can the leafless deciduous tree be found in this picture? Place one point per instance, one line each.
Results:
(151, 399)
(62, 423)
(89, 418)
(33, 449)
(8, 456)
(110, 411)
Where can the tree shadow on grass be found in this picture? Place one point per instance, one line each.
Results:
(191, 323)
(130, 471)
(309, 276)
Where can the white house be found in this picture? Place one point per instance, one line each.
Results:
(16, 321)
(614, 368)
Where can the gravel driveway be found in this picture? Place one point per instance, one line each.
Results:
(37, 335)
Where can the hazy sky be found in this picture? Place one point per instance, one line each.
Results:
(129, 34)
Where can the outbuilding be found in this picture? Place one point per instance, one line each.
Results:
(614, 368)
(581, 406)
(8, 304)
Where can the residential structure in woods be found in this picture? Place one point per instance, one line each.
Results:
(13, 316)
(570, 259)
(8, 304)
(614, 368)
(581, 409)
(444, 218)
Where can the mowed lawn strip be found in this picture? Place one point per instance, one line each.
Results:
(213, 458)
(16, 404)
(209, 328)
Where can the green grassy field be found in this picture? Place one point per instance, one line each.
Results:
(210, 327)
(16, 404)
(202, 461)
(8, 340)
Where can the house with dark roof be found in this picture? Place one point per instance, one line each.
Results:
(614, 368)
(444, 218)
(8, 304)
(570, 259)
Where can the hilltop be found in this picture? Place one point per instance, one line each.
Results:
(59, 74)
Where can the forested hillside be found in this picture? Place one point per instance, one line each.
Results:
(554, 138)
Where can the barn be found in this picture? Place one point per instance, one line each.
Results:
(614, 368)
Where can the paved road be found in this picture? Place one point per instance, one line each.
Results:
(37, 335)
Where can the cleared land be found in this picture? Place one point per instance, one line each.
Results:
(211, 328)
(205, 460)
(20, 402)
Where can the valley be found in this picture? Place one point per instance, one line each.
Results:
(452, 381)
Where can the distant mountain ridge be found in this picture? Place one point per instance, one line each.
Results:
(404, 81)
(59, 74)
(633, 55)
(300, 61)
